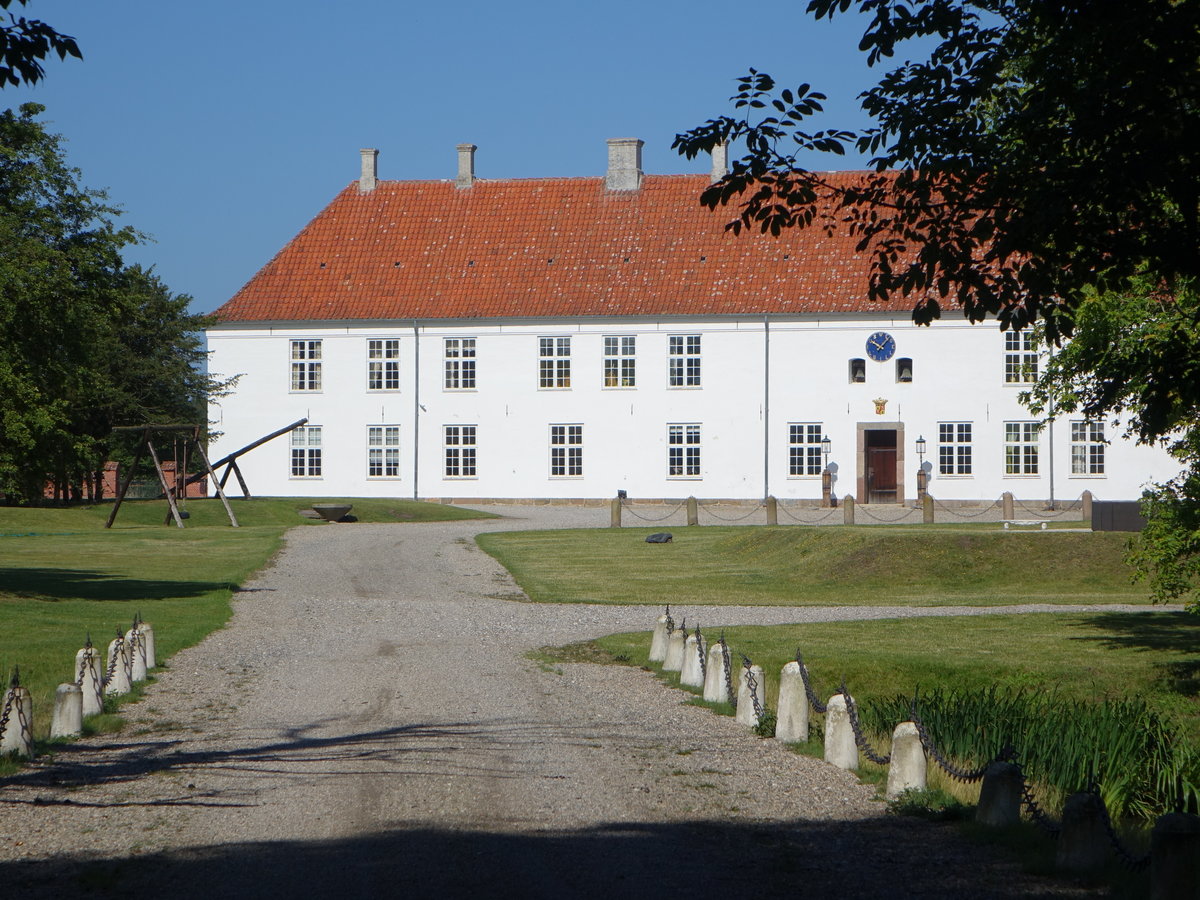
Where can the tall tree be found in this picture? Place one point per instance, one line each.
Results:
(24, 43)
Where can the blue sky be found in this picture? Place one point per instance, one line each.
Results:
(222, 128)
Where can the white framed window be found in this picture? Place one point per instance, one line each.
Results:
(1087, 447)
(383, 451)
(1021, 445)
(459, 444)
(554, 362)
(306, 365)
(620, 360)
(804, 448)
(683, 360)
(683, 451)
(306, 451)
(460, 364)
(1020, 357)
(383, 364)
(955, 448)
(566, 451)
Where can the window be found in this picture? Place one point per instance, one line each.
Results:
(904, 370)
(858, 371)
(954, 448)
(383, 451)
(1087, 448)
(306, 365)
(1021, 448)
(460, 364)
(619, 360)
(554, 363)
(683, 360)
(459, 441)
(804, 449)
(1020, 357)
(306, 451)
(683, 451)
(383, 365)
(566, 451)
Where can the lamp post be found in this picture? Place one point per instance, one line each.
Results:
(826, 475)
(922, 478)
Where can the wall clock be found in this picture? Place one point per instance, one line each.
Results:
(881, 346)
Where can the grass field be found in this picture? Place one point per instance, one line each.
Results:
(926, 566)
(63, 575)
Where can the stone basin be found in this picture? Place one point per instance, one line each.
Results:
(332, 512)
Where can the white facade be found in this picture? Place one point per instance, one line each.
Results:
(744, 431)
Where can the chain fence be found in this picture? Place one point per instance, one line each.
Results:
(9, 697)
(1135, 863)
(828, 514)
(707, 507)
(859, 738)
(626, 506)
(728, 666)
(752, 687)
(700, 650)
(865, 510)
(956, 511)
(813, 701)
(670, 621)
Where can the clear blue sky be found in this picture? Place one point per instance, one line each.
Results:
(221, 128)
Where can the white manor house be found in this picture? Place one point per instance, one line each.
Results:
(569, 338)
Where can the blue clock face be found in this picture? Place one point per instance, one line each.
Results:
(881, 346)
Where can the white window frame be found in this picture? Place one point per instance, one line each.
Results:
(683, 450)
(460, 457)
(305, 358)
(1087, 448)
(956, 449)
(620, 361)
(1020, 357)
(305, 459)
(383, 364)
(804, 449)
(459, 369)
(683, 360)
(554, 363)
(383, 452)
(566, 451)
(1022, 449)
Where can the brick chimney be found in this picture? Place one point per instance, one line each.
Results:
(466, 165)
(370, 171)
(720, 161)
(624, 164)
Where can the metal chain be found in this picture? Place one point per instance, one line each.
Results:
(752, 684)
(708, 510)
(728, 672)
(1134, 863)
(637, 515)
(955, 511)
(670, 621)
(9, 696)
(703, 655)
(962, 775)
(863, 508)
(816, 704)
(112, 660)
(859, 738)
(1052, 514)
(1036, 813)
(828, 514)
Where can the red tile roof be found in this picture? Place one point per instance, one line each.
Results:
(547, 248)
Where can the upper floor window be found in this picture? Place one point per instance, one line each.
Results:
(306, 365)
(566, 451)
(804, 449)
(954, 448)
(459, 444)
(554, 362)
(683, 360)
(683, 451)
(460, 364)
(620, 358)
(1087, 448)
(383, 451)
(1021, 444)
(1020, 357)
(306, 451)
(383, 364)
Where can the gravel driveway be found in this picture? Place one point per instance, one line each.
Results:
(367, 725)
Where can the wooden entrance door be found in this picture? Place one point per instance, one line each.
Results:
(881, 466)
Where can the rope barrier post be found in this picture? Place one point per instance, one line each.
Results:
(1175, 856)
(1006, 505)
(772, 511)
(658, 640)
(614, 518)
(16, 720)
(908, 769)
(848, 509)
(841, 749)
(67, 720)
(927, 510)
(1083, 841)
(693, 512)
(1000, 796)
(1086, 515)
(791, 718)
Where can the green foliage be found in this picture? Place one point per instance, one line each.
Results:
(24, 43)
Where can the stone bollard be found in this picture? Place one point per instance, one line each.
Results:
(614, 516)
(908, 769)
(673, 661)
(716, 690)
(1006, 505)
(927, 510)
(1086, 516)
(87, 670)
(68, 711)
(791, 721)
(1000, 796)
(118, 665)
(658, 643)
(137, 655)
(745, 705)
(693, 511)
(848, 509)
(840, 748)
(691, 673)
(147, 632)
(772, 511)
(1175, 857)
(1083, 841)
(18, 734)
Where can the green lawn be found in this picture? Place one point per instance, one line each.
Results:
(63, 575)
(795, 566)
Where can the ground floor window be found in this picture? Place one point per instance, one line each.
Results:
(1087, 448)
(306, 451)
(383, 451)
(683, 451)
(954, 448)
(1021, 444)
(459, 443)
(804, 448)
(566, 451)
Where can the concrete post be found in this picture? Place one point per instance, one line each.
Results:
(791, 720)
(147, 632)
(1083, 841)
(673, 661)
(715, 688)
(840, 749)
(118, 650)
(745, 705)
(137, 655)
(658, 643)
(1086, 515)
(1000, 796)
(1006, 505)
(1175, 857)
(68, 711)
(693, 512)
(691, 672)
(87, 668)
(848, 509)
(927, 510)
(18, 735)
(614, 516)
(908, 769)
(772, 511)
